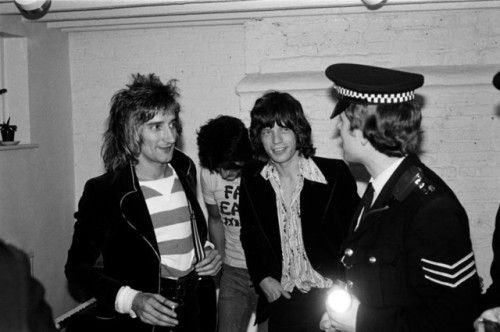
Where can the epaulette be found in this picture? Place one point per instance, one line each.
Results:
(412, 179)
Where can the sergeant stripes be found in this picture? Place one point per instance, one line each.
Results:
(449, 275)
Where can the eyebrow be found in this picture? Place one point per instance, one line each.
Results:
(153, 123)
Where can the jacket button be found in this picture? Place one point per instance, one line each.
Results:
(373, 259)
(348, 252)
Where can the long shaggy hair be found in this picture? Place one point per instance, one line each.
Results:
(392, 129)
(131, 107)
(222, 142)
(284, 110)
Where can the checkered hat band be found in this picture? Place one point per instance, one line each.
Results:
(391, 98)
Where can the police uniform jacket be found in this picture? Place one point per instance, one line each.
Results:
(114, 243)
(410, 261)
(326, 210)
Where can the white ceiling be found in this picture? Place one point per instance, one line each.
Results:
(77, 15)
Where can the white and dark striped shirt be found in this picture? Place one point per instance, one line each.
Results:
(169, 210)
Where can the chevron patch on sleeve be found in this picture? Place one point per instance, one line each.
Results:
(449, 275)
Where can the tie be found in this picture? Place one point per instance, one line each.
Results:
(367, 200)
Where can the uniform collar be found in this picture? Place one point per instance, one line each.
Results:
(379, 182)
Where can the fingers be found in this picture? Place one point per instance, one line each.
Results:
(479, 325)
(210, 265)
(154, 309)
(285, 294)
(273, 290)
(272, 296)
(325, 324)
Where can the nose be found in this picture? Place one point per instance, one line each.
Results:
(169, 134)
(276, 136)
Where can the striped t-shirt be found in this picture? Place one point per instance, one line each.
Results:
(168, 207)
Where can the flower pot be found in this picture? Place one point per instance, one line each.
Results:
(8, 135)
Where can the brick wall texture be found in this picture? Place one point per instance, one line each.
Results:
(457, 50)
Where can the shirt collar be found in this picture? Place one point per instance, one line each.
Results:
(379, 182)
(307, 168)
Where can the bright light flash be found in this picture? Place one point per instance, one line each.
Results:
(339, 300)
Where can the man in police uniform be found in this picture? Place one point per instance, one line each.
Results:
(408, 255)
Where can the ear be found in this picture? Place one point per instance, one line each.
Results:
(363, 139)
(360, 136)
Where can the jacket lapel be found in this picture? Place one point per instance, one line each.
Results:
(314, 200)
(265, 208)
(133, 205)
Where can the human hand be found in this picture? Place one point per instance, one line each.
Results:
(492, 315)
(211, 264)
(326, 324)
(155, 309)
(345, 322)
(273, 290)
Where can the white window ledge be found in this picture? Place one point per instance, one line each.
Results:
(18, 147)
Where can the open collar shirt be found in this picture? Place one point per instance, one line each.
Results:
(297, 270)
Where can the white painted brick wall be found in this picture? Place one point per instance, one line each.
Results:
(457, 50)
(207, 61)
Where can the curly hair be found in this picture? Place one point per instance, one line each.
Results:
(392, 129)
(131, 107)
(282, 109)
(222, 142)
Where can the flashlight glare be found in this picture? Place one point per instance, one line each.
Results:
(339, 300)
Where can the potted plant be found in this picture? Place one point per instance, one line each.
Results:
(7, 131)
(6, 128)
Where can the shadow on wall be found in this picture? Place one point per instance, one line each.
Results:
(497, 110)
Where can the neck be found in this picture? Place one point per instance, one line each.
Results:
(149, 172)
(289, 169)
(379, 163)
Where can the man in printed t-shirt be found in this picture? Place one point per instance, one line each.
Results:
(224, 147)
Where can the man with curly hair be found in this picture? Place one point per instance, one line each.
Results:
(224, 148)
(143, 219)
(295, 209)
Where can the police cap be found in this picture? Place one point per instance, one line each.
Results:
(373, 85)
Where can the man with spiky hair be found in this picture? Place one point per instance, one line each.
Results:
(143, 218)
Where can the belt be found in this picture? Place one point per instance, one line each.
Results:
(178, 288)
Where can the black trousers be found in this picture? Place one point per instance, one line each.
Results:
(302, 313)
(197, 309)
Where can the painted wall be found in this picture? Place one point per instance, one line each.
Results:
(221, 70)
(458, 51)
(37, 195)
(208, 62)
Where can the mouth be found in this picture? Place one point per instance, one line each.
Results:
(279, 150)
(166, 149)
